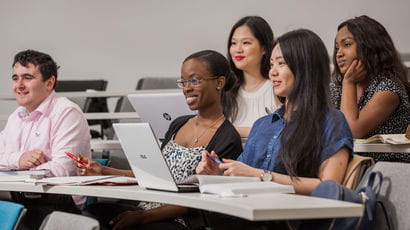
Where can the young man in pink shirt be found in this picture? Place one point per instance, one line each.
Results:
(44, 127)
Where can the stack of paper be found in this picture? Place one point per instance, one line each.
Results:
(87, 180)
(234, 185)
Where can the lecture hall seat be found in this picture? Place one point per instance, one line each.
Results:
(68, 221)
(10, 215)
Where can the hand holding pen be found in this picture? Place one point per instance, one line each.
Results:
(90, 168)
(209, 164)
(78, 160)
(214, 159)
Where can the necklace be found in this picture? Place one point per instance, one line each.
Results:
(255, 87)
(196, 138)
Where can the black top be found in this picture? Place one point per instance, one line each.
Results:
(226, 141)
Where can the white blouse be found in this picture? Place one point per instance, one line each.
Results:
(253, 105)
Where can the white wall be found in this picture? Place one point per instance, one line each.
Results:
(123, 40)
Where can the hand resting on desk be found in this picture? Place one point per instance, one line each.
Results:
(31, 159)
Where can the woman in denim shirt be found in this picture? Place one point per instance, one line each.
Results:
(305, 141)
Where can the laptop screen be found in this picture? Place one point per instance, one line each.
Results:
(160, 109)
(144, 156)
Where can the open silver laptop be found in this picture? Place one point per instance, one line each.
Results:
(160, 109)
(145, 158)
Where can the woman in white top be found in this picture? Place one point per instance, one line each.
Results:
(250, 45)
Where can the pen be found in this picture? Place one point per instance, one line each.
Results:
(75, 158)
(214, 159)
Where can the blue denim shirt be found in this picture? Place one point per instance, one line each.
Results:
(263, 144)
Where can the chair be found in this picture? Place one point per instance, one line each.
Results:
(68, 221)
(101, 161)
(157, 83)
(394, 193)
(10, 215)
(88, 105)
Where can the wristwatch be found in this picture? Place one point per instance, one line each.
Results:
(266, 176)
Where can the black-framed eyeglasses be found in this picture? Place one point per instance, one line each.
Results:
(193, 82)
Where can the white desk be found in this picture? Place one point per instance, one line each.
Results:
(97, 116)
(253, 207)
(121, 93)
(115, 144)
(109, 116)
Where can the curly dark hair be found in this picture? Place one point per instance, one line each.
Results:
(47, 66)
(263, 33)
(375, 49)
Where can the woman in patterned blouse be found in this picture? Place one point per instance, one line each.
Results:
(205, 79)
(370, 85)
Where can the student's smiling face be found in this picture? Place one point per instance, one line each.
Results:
(346, 49)
(206, 93)
(245, 49)
(281, 76)
(28, 86)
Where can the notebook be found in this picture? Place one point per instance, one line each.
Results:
(144, 155)
(160, 109)
(395, 139)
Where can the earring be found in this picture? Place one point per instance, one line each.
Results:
(218, 88)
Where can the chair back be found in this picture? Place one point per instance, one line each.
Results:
(68, 221)
(10, 215)
(157, 83)
(84, 85)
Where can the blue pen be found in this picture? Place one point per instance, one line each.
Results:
(214, 159)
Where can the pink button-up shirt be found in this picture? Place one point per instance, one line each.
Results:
(57, 126)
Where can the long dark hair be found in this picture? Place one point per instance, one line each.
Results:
(307, 104)
(218, 66)
(375, 49)
(263, 33)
